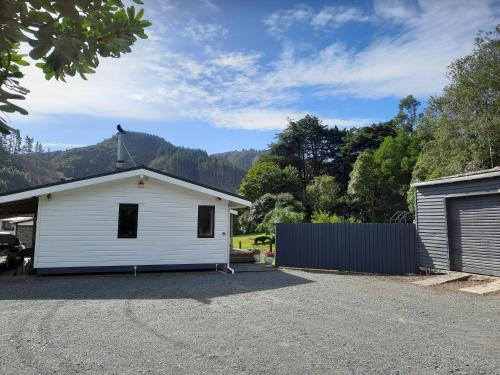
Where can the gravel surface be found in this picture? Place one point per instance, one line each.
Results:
(281, 322)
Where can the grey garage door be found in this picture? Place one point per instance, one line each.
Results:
(474, 234)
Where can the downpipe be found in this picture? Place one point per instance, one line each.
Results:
(230, 269)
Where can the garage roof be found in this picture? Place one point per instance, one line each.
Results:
(485, 173)
(117, 175)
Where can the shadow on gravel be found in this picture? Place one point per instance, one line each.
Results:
(201, 286)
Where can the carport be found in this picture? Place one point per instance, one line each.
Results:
(458, 222)
(22, 207)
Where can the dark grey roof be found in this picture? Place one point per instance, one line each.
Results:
(485, 173)
(118, 171)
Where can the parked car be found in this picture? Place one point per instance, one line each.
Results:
(10, 246)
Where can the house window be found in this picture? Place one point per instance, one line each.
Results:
(127, 220)
(206, 220)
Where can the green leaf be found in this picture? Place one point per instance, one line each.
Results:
(11, 108)
(4, 128)
(131, 12)
(22, 63)
(40, 51)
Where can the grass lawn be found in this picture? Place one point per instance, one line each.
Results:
(247, 241)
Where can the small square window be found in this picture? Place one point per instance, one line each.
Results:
(127, 220)
(206, 221)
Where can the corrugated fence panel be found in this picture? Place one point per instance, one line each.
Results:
(374, 248)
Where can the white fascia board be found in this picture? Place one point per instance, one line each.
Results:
(119, 176)
(68, 186)
(455, 179)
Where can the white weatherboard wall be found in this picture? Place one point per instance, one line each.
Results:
(78, 228)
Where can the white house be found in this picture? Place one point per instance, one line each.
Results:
(135, 218)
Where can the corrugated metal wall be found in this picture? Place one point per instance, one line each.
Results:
(432, 230)
(374, 248)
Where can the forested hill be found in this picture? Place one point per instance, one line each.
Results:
(243, 159)
(224, 171)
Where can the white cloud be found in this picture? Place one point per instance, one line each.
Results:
(272, 119)
(240, 89)
(281, 21)
(203, 32)
(251, 118)
(328, 17)
(209, 5)
(237, 61)
(414, 62)
(166, 5)
(60, 146)
(337, 16)
(348, 123)
(396, 9)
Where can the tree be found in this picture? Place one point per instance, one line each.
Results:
(323, 194)
(381, 178)
(38, 147)
(358, 140)
(308, 145)
(354, 143)
(65, 37)
(252, 217)
(18, 141)
(364, 187)
(280, 215)
(407, 116)
(460, 130)
(395, 160)
(28, 144)
(268, 177)
(3, 142)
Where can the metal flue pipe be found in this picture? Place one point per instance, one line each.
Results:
(120, 162)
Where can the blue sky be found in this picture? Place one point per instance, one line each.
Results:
(223, 75)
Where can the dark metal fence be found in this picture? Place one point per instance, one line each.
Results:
(374, 248)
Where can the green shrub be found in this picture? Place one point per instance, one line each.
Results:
(322, 217)
(252, 217)
(280, 215)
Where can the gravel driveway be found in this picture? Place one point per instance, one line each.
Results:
(281, 322)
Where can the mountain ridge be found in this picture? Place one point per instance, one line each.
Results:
(223, 170)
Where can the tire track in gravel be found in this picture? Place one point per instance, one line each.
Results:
(45, 331)
(177, 344)
(26, 354)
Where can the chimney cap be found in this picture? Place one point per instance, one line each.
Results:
(120, 129)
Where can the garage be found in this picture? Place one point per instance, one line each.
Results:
(458, 222)
(474, 234)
